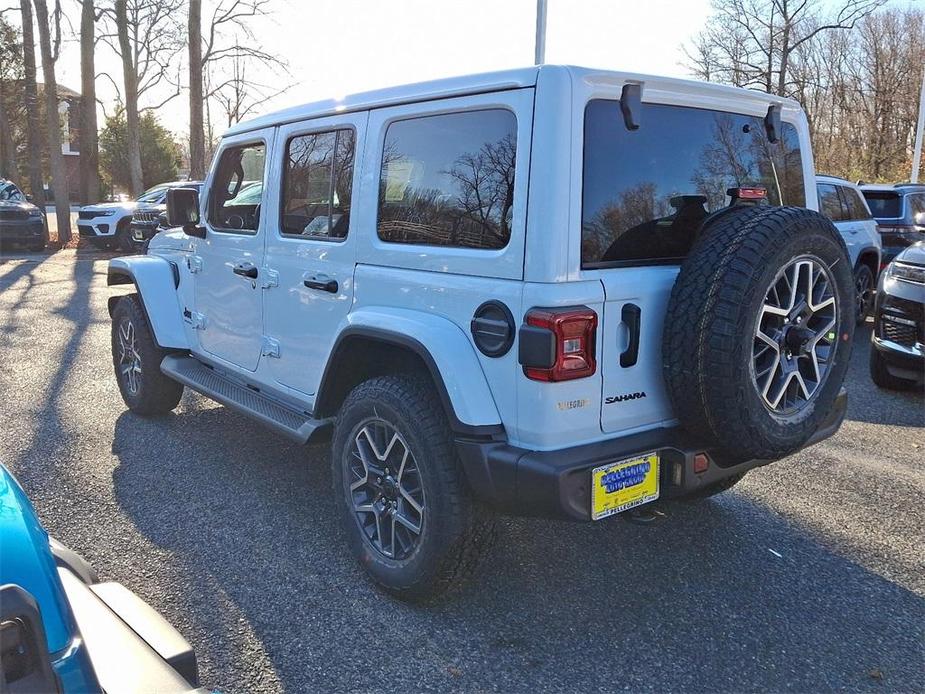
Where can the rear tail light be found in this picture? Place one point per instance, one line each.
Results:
(754, 193)
(557, 344)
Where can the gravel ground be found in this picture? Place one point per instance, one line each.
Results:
(809, 576)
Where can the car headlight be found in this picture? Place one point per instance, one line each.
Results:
(906, 272)
(35, 213)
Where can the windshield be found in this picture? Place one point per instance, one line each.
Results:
(10, 192)
(155, 194)
(885, 204)
(646, 192)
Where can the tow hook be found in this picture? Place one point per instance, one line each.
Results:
(644, 515)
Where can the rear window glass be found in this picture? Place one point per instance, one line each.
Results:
(884, 204)
(448, 180)
(856, 207)
(647, 191)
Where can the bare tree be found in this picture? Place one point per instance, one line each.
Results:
(50, 52)
(34, 139)
(89, 141)
(224, 59)
(147, 39)
(752, 43)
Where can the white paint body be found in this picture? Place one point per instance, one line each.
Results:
(430, 293)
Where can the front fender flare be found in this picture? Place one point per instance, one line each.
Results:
(447, 352)
(156, 280)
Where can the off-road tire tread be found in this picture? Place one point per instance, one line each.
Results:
(473, 526)
(159, 394)
(704, 322)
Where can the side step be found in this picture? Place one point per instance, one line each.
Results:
(298, 426)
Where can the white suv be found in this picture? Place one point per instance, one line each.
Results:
(551, 291)
(108, 224)
(842, 202)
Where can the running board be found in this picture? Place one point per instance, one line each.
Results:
(298, 426)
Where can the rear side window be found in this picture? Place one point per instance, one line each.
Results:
(830, 203)
(855, 203)
(448, 180)
(237, 189)
(317, 185)
(647, 191)
(884, 205)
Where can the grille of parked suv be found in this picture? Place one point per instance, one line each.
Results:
(14, 215)
(902, 321)
(145, 217)
(86, 215)
(898, 332)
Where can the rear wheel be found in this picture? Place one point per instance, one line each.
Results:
(137, 358)
(864, 292)
(405, 506)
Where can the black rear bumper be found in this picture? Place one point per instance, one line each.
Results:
(557, 484)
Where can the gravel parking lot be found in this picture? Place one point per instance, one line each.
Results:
(809, 576)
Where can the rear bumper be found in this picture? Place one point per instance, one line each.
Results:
(557, 484)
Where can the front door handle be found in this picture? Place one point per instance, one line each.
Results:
(323, 285)
(248, 270)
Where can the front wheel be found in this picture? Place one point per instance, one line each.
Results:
(137, 361)
(407, 512)
(864, 292)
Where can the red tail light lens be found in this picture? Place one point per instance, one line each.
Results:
(574, 331)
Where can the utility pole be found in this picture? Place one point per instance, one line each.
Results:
(917, 149)
(540, 53)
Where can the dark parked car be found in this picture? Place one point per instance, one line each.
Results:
(900, 214)
(897, 356)
(151, 218)
(21, 222)
(62, 630)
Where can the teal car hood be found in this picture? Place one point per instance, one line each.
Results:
(26, 560)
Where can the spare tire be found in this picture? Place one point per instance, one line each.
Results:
(758, 331)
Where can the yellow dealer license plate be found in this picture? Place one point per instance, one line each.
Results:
(616, 487)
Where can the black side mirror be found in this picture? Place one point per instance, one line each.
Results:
(183, 211)
(26, 664)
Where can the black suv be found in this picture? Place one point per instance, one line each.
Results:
(900, 212)
(20, 220)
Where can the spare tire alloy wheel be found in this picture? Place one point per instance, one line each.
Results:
(386, 489)
(795, 336)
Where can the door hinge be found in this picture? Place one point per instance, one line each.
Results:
(196, 320)
(270, 278)
(270, 347)
(194, 263)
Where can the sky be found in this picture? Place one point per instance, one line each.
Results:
(337, 47)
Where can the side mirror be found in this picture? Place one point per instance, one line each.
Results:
(183, 211)
(24, 653)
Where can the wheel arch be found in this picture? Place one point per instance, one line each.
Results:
(156, 281)
(870, 257)
(364, 350)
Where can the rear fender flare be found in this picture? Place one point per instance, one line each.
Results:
(156, 281)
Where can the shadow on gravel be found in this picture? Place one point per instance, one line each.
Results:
(698, 602)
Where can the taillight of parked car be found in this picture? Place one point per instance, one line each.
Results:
(900, 233)
(557, 344)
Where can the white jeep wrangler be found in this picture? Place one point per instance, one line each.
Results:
(551, 291)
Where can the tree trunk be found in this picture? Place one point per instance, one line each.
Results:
(197, 148)
(89, 142)
(34, 139)
(130, 77)
(8, 167)
(53, 126)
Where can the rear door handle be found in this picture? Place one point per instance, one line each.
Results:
(248, 270)
(321, 284)
(631, 315)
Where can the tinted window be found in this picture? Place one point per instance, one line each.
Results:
(449, 180)
(884, 204)
(317, 184)
(830, 202)
(647, 191)
(917, 204)
(237, 189)
(855, 203)
(12, 193)
(156, 194)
